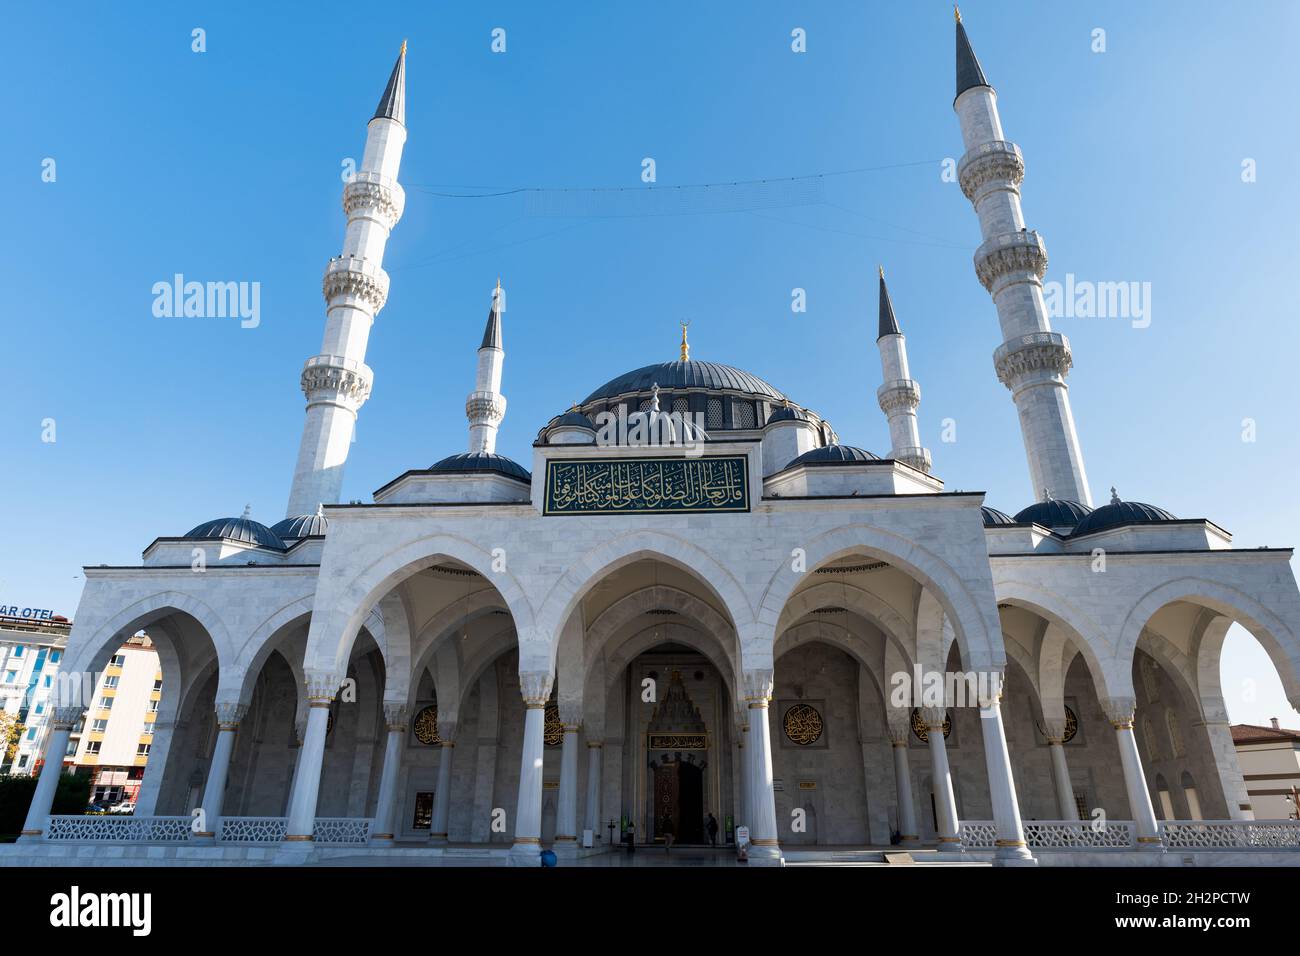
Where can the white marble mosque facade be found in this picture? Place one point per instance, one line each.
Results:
(300, 661)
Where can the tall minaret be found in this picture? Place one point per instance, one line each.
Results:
(486, 406)
(1032, 360)
(337, 382)
(899, 395)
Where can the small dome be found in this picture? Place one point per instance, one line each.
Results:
(834, 455)
(992, 517)
(573, 419)
(483, 461)
(788, 413)
(302, 526)
(1054, 513)
(237, 529)
(1119, 513)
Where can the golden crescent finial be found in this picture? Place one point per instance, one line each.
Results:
(686, 348)
(882, 271)
(956, 12)
(403, 53)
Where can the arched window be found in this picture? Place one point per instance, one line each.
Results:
(1166, 802)
(1175, 734)
(1150, 679)
(1192, 797)
(1149, 735)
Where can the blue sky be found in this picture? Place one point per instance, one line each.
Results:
(225, 165)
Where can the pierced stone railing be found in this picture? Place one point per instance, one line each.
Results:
(1231, 834)
(1067, 834)
(346, 831)
(252, 829)
(106, 828)
(978, 834)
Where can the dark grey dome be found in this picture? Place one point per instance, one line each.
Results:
(483, 462)
(788, 413)
(992, 517)
(1054, 513)
(834, 455)
(301, 526)
(573, 419)
(678, 375)
(1120, 513)
(237, 529)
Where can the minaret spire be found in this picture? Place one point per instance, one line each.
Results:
(1010, 263)
(899, 395)
(485, 407)
(337, 382)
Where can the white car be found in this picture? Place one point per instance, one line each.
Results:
(123, 807)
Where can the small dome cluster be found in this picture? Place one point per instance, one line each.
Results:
(302, 526)
(1079, 518)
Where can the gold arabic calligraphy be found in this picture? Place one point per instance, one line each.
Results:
(651, 484)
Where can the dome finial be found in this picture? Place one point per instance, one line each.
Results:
(320, 509)
(1047, 494)
(686, 348)
(654, 397)
(956, 12)
(1114, 495)
(248, 512)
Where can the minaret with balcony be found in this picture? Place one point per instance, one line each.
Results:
(899, 395)
(1032, 360)
(337, 381)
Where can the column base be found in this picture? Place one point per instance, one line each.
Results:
(910, 839)
(382, 840)
(437, 839)
(203, 839)
(1014, 856)
(29, 836)
(566, 848)
(525, 854)
(949, 845)
(766, 854)
(1151, 844)
(297, 844)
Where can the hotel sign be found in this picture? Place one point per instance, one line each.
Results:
(590, 486)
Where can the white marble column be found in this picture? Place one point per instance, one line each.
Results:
(566, 817)
(382, 833)
(214, 792)
(765, 847)
(438, 822)
(535, 687)
(745, 774)
(1054, 730)
(1010, 843)
(56, 746)
(591, 814)
(1120, 712)
(321, 688)
(945, 800)
(907, 828)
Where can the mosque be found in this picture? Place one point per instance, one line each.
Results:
(691, 629)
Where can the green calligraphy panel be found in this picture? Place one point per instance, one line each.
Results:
(588, 486)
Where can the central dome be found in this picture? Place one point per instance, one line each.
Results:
(679, 375)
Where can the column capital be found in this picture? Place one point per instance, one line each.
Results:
(934, 718)
(535, 687)
(1054, 729)
(1119, 711)
(898, 733)
(66, 717)
(758, 686)
(571, 714)
(229, 714)
(989, 687)
(447, 732)
(395, 716)
(321, 687)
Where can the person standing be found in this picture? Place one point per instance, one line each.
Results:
(711, 828)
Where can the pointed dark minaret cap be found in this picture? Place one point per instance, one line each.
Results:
(492, 332)
(969, 72)
(392, 105)
(888, 324)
